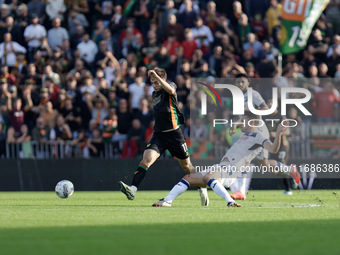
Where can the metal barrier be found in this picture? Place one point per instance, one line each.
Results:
(55, 150)
(33, 149)
(58, 150)
(300, 148)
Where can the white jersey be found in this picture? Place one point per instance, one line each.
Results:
(37, 31)
(257, 102)
(245, 149)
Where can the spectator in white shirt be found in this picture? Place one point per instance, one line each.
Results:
(55, 8)
(88, 49)
(57, 34)
(255, 47)
(136, 90)
(34, 35)
(88, 86)
(195, 7)
(48, 72)
(9, 49)
(202, 34)
(336, 41)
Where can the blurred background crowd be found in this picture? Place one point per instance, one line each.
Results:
(74, 72)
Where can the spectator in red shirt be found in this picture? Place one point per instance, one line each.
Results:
(324, 103)
(259, 28)
(11, 80)
(171, 44)
(189, 44)
(16, 113)
(250, 69)
(53, 90)
(130, 24)
(18, 131)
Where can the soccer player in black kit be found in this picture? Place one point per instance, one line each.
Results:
(167, 134)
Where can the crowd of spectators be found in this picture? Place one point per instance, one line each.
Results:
(75, 71)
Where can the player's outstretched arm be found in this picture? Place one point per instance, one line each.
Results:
(166, 86)
(275, 146)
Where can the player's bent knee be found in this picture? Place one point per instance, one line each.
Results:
(146, 161)
(207, 177)
(187, 178)
(149, 158)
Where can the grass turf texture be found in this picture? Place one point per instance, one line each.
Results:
(107, 223)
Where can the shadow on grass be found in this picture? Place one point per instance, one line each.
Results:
(278, 237)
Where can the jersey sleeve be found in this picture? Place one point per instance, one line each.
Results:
(257, 99)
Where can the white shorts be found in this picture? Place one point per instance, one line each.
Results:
(224, 171)
(263, 154)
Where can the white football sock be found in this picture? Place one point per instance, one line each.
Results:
(134, 188)
(218, 188)
(242, 184)
(177, 190)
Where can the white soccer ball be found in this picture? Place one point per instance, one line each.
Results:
(64, 189)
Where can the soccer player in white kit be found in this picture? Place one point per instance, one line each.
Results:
(225, 173)
(242, 82)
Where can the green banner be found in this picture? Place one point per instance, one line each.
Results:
(298, 20)
(128, 7)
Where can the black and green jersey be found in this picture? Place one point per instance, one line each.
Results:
(166, 112)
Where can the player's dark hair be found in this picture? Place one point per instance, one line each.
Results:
(242, 75)
(161, 73)
(251, 115)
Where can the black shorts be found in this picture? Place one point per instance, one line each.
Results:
(173, 141)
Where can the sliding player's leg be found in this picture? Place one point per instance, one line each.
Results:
(214, 180)
(149, 157)
(179, 149)
(243, 183)
(195, 179)
(189, 168)
(240, 194)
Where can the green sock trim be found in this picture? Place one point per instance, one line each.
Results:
(144, 167)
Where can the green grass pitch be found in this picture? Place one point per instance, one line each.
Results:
(107, 223)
